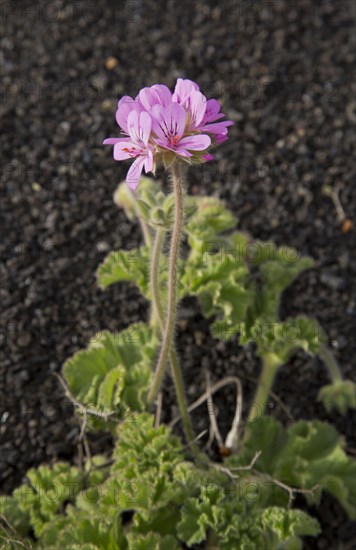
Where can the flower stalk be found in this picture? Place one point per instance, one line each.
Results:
(270, 366)
(330, 362)
(167, 349)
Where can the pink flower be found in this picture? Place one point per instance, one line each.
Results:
(158, 94)
(183, 89)
(208, 124)
(139, 129)
(124, 108)
(169, 125)
(156, 122)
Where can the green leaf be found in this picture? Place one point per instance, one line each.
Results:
(126, 265)
(77, 530)
(288, 524)
(340, 395)
(151, 541)
(277, 268)
(47, 490)
(112, 375)
(309, 455)
(285, 337)
(18, 518)
(266, 436)
(208, 222)
(221, 286)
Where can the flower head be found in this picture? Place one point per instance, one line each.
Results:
(159, 124)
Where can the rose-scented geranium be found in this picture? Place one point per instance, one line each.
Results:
(159, 125)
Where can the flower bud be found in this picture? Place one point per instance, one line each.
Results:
(143, 209)
(124, 198)
(158, 216)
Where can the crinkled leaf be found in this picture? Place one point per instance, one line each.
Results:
(208, 222)
(126, 265)
(151, 541)
(113, 373)
(77, 530)
(340, 395)
(288, 524)
(285, 337)
(47, 490)
(221, 286)
(309, 455)
(18, 518)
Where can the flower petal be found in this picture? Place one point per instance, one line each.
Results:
(198, 142)
(182, 152)
(133, 126)
(164, 94)
(212, 111)
(182, 90)
(158, 94)
(139, 127)
(126, 150)
(134, 173)
(197, 105)
(124, 108)
(149, 161)
(217, 127)
(208, 157)
(145, 125)
(113, 140)
(169, 121)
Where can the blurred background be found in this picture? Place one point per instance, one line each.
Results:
(283, 72)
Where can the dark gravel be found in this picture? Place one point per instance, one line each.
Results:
(284, 74)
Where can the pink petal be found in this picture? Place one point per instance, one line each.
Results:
(169, 121)
(220, 138)
(145, 124)
(195, 143)
(183, 88)
(197, 106)
(124, 150)
(124, 108)
(164, 93)
(208, 157)
(212, 111)
(134, 173)
(217, 127)
(148, 98)
(149, 161)
(139, 127)
(132, 126)
(182, 152)
(112, 141)
(158, 94)
(158, 116)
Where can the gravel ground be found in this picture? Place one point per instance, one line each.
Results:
(284, 74)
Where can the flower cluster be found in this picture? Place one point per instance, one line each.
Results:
(161, 125)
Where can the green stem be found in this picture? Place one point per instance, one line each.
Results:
(167, 348)
(270, 365)
(330, 361)
(147, 237)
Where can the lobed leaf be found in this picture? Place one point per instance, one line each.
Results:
(339, 395)
(126, 265)
(112, 375)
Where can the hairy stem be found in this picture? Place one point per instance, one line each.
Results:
(167, 348)
(147, 237)
(270, 365)
(330, 361)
